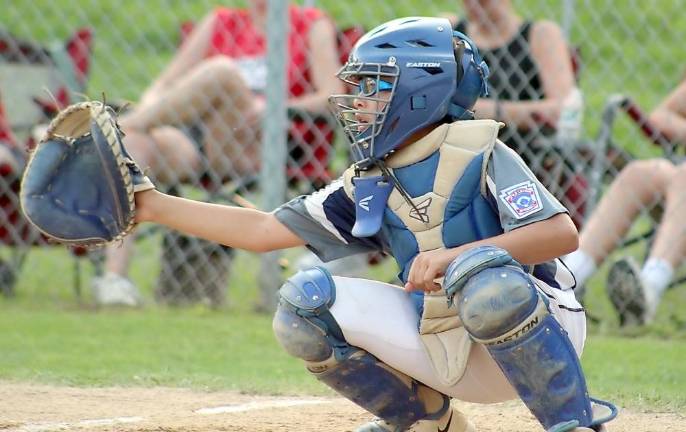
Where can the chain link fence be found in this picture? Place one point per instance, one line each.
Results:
(199, 88)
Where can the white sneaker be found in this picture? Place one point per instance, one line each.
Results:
(453, 421)
(115, 290)
(652, 301)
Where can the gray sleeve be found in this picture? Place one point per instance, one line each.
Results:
(520, 198)
(322, 220)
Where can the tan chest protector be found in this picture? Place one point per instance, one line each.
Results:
(445, 339)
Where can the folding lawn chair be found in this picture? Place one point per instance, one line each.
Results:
(602, 167)
(27, 70)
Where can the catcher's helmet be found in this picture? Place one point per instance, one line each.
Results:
(429, 73)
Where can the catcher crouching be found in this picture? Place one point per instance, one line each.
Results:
(486, 312)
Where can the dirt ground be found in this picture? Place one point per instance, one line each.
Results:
(32, 408)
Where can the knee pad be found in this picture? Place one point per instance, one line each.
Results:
(499, 304)
(302, 323)
(305, 327)
(501, 308)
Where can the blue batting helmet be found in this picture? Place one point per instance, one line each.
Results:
(414, 72)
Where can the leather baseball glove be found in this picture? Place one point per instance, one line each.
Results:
(79, 184)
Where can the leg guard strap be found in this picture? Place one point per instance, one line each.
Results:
(380, 389)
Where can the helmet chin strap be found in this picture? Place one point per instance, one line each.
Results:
(459, 113)
(403, 192)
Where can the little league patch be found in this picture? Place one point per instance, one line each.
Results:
(522, 199)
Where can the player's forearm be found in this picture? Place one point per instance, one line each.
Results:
(541, 241)
(538, 242)
(241, 228)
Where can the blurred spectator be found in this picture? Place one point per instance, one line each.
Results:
(12, 162)
(531, 81)
(12, 155)
(636, 292)
(203, 113)
(530, 65)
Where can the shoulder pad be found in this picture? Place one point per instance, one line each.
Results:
(474, 135)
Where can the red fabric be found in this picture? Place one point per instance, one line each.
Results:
(236, 36)
(309, 147)
(79, 49)
(5, 130)
(576, 195)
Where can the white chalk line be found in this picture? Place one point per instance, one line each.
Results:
(260, 405)
(235, 408)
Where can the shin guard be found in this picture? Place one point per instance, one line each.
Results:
(502, 309)
(306, 328)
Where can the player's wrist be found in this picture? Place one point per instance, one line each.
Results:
(147, 205)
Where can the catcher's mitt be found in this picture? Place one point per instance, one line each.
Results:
(79, 183)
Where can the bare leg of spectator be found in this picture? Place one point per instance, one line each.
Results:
(209, 85)
(669, 248)
(216, 96)
(232, 142)
(670, 242)
(640, 185)
(168, 156)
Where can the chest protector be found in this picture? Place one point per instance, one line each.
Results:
(445, 176)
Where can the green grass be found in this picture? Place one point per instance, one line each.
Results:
(193, 348)
(49, 335)
(642, 373)
(232, 349)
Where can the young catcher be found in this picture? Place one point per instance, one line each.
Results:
(486, 313)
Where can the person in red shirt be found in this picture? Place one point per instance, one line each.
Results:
(203, 112)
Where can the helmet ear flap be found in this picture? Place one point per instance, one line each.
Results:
(471, 74)
(458, 50)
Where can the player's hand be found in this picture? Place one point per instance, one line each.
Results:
(427, 267)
